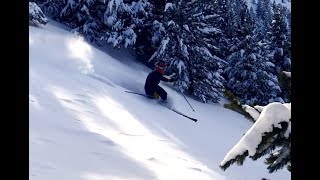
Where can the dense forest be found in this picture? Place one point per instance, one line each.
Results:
(214, 47)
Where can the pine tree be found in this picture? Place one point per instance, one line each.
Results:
(82, 16)
(279, 39)
(253, 14)
(124, 21)
(51, 8)
(231, 18)
(264, 15)
(193, 37)
(246, 22)
(239, 22)
(281, 49)
(152, 31)
(158, 9)
(190, 45)
(36, 16)
(90, 24)
(249, 75)
(114, 21)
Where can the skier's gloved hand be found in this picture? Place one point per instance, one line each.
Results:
(173, 77)
(156, 96)
(173, 74)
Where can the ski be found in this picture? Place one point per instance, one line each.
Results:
(174, 110)
(180, 113)
(192, 119)
(141, 94)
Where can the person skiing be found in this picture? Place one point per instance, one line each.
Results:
(153, 79)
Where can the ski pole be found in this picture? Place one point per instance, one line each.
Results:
(187, 100)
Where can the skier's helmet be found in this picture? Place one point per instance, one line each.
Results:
(161, 66)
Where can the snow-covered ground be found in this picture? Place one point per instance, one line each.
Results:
(83, 126)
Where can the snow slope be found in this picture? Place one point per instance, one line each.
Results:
(82, 126)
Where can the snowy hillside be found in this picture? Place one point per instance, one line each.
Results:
(83, 126)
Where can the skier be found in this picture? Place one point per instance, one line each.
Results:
(152, 87)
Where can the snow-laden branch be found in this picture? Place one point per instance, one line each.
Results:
(36, 16)
(272, 115)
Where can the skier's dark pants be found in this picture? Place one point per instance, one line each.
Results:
(159, 90)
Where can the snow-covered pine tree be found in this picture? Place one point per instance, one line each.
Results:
(36, 16)
(206, 47)
(264, 15)
(152, 31)
(89, 17)
(231, 18)
(112, 21)
(159, 6)
(279, 39)
(253, 14)
(249, 74)
(273, 5)
(246, 23)
(83, 16)
(281, 49)
(51, 8)
(157, 34)
(75, 13)
(270, 135)
(124, 19)
(238, 23)
(236, 17)
(167, 34)
(190, 46)
(288, 18)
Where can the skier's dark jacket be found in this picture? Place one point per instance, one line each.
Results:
(152, 82)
